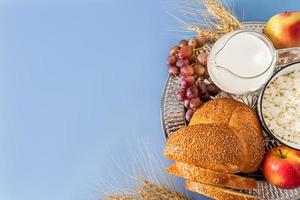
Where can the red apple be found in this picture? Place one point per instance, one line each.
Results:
(284, 30)
(281, 167)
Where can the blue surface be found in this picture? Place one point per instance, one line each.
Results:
(80, 84)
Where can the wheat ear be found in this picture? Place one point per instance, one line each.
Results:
(150, 191)
(225, 28)
(163, 192)
(216, 8)
(209, 34)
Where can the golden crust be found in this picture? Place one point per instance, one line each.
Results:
(241, 120)
(245, 124)
(216, 111)
(209, 146)
(217, 193)
(206, 176)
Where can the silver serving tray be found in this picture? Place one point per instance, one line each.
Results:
(173, 118)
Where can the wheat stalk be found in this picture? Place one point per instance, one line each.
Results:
(163, 192)
(210, 18)
(209, 34)
(216, 8)
(150, 191)
(149, 182)
(225, 28)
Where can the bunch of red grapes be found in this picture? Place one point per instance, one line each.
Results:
(196, 88)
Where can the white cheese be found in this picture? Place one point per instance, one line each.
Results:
(281, 106)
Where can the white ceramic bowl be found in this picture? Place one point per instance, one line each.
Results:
(286, 70)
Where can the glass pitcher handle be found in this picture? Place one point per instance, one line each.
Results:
(287, 56)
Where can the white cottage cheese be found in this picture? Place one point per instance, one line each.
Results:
(281, 106)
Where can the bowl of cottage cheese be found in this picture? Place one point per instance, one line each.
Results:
(279, 106)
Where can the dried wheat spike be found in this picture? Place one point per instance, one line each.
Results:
(209, 34)
(225, 28)
(146, 194)
(163, 193)
(149, 191)
(220, 13)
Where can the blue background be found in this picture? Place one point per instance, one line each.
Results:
(80, 86)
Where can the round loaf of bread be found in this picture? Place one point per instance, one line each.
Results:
(224, 135)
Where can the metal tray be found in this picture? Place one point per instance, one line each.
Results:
(173, 117)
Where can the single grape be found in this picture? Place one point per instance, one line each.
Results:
(202, 58)
(193, 43)
(173, 70)
(187, 81)
(192, 92)
(184, 83)
(206, 97)
(189, 114)
(190, 80)
(201, 40)
(202, 88)
(180, 63)
(195, 103)
(212, 89)
(181, 95)
(174, 50)
(192, 59)
(182, 78)
(182, 88)
(187, 70)
(187, 103)
(199, 69)
(185, 52)
(183, 43)
(172, 60)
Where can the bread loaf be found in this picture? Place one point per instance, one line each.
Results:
(218, 193)
(224, 135)
(241, 120)
(206, 176)
(209, 146)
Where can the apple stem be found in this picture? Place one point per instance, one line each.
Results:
(280, 153)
